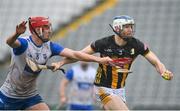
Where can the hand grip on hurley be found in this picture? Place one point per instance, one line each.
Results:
(36, 67)
(167, 75)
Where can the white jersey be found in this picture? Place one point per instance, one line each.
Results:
(21, 80)
(81, 86)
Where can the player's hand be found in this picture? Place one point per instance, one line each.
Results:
(167, 75)
(21, 28)
(57, 65)
(105, 60)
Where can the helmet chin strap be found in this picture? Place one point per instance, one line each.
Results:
(40, 36)
(125, 38)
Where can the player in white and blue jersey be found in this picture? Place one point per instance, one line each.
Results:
(80, 79)
(19, 89)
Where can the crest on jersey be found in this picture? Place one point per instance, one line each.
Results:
(132, 51)
(45, 56)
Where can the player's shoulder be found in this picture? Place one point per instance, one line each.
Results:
(24, 37)
(53, 43)
(135, 41)
(24, 40)
(106, 40)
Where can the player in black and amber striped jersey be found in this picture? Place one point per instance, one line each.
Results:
(109, 82)
(107, 76)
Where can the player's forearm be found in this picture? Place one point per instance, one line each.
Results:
(62, 92)
(86, 57)
(81, 56)
(63, 88)
(154, 60)
(12, 39)
(67, 61)
(160, 67)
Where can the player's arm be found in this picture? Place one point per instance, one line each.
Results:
(161, 69)
(62, 90)
(12, 40)
(72, 56)
(63, 84)
(87, 50)
(83, 55)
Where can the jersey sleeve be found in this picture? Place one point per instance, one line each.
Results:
(56, 49)
(23, 46)
(142, 48)
(97, 45)
(69, 74)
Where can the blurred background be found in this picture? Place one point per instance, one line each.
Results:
(76, 23)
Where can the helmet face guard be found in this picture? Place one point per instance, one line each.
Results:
(39, 22)
(118, 25)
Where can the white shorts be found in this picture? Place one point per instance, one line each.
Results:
(102, 93)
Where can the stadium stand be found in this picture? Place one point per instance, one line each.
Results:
(12, 12)
(157, 24)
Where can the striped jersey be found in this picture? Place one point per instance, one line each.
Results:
(108, 76)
